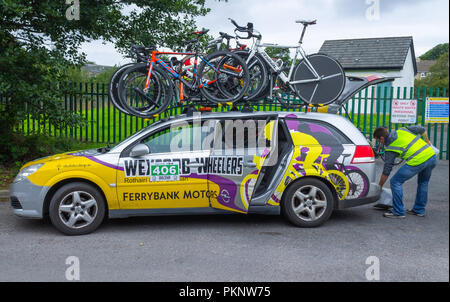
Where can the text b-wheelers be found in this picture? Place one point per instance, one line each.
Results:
(220, 165)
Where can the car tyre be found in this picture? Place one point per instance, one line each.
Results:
(77, 209)
(307, 203)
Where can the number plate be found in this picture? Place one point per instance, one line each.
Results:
(165, 172)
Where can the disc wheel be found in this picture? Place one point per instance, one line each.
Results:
(325, 90)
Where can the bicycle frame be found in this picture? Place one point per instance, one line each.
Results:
(155, 60)
(259, 47)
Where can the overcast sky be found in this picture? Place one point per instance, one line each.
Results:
(426, 20)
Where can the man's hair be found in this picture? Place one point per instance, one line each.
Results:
(380, 132)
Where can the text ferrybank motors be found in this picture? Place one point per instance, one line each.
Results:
(144, 196)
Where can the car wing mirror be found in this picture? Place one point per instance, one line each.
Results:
(140, 150)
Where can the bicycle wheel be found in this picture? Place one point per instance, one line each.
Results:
(359, 184)
(258, 75)
(113, 87)
(224, 77)
(138, 102)
(323, 91)
(186, 70)
(340, 183)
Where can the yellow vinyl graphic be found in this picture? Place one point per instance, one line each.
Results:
(309, 159)
(82, 166)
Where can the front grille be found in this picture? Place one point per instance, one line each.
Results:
(15, 203)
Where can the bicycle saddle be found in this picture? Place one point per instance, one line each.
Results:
(226, 36)
(306, 22)
(139, 48)
(200, 33)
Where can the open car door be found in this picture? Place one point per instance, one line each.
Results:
(241, 148)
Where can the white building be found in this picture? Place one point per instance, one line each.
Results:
(388, 57)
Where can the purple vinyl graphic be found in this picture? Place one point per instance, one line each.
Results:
(333, 149)
(98, 161)
(227, 187)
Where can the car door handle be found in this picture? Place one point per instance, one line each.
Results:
(195, 165)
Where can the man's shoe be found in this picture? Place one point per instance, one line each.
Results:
(392, 215)
(414, 213)
(382, 207)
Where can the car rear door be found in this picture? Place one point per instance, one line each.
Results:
(241, 147)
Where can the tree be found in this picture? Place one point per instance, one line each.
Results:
(439, 74)
(279, 53)
(435, 52)
(40, 41)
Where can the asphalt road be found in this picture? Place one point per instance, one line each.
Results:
(238, 247)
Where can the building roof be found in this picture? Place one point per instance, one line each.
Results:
(95, 69)
(424, 65)
(371, 53)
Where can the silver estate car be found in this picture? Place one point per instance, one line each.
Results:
(304, 165)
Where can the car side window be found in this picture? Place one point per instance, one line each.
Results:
(242, 134)
(325, 133)
(181, 137)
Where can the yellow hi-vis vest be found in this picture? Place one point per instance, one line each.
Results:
(410, 147)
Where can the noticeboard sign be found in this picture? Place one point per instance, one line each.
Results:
(404, 111)
(436, 110)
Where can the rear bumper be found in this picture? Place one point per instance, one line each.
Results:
(372, 196)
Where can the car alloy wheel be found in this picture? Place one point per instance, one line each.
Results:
(78, 209)
(309, 203)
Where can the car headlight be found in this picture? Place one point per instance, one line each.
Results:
(25, 172)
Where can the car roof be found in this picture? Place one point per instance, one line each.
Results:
(329, 118)
(338, 121)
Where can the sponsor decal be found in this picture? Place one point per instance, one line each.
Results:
(136, 180)
(226, 197)
(186, 194)
(165, 172)
(172, 169)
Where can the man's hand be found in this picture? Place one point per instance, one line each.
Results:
(383, 179)
(425, 138)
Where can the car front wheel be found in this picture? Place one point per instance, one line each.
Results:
(77, 209)
(307, 203)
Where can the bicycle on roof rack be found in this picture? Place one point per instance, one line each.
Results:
(146, 89)
(227, 76)
(317, 79)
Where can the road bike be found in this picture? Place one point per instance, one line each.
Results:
(317, 79)
(220, 77)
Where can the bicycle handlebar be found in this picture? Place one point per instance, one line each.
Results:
(245, 29)
(237, 26)
(141, 53)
